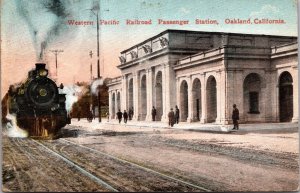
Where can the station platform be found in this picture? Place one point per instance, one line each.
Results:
(194, 126)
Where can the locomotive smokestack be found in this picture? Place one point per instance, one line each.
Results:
(39, 66)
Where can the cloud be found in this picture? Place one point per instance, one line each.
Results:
(266, 11)
(184, 10)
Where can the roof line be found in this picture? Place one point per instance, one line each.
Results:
(192, 31)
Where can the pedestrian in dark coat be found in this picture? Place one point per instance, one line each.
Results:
(171, 117)
(125, 116)
(176, 115)
(119, 115)
(235, 118)
(153, 113)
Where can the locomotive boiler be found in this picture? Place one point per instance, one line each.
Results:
(39, 107)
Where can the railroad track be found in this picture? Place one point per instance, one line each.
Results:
(142, 167)
(80, 169)
(36, 171)
(123, 171)
(247, 154)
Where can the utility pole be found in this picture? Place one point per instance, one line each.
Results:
(91, 99)
(98, 66)
(98, 62)
(91, 67)
(56, 52)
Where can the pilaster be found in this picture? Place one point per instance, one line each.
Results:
(295, 95)
(165, 93)
(149, 77)
(219, 91)
(116, 103)
(110, 104)
(190, 100)
(124, 93)
(203, 101)
(136, 88)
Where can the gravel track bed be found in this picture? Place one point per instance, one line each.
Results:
(122, 176)
(28, 167)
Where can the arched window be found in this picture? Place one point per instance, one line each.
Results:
(196, 97)
(211, 99)
(252, 93)
(158, 102)
(285, 97)
(184, 101)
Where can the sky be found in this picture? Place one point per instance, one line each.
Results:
(28, 24)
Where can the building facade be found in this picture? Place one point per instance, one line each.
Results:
(205, 73)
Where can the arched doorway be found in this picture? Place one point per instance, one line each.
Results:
(196, 97)
(211, 99)
(113, 107)
(130, 94)
(285, 97)
(158, 96)
(184, 108)
(252, 94)
(143, 99)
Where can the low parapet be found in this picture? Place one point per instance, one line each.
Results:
(284, 50)
(191, 42)
(224, 52)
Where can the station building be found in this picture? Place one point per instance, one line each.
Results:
(205, 73)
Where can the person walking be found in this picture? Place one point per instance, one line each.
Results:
(153, 113)
(119, 115)
(171, 117)
(235, 118)
(176, 114)
(125, 116)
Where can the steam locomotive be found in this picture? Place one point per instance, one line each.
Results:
(39, 108)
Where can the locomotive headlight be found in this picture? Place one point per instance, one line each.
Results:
(43, 92)
(43, 72)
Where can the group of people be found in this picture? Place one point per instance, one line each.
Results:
(174, 116)
(125, 115)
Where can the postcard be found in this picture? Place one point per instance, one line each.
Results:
(149, 96)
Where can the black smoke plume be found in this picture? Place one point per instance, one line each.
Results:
(61, 9)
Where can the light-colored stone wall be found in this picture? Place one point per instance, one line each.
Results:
(115, 89)
(205, 74)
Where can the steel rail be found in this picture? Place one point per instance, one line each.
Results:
(83, 171)
(139, 166)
